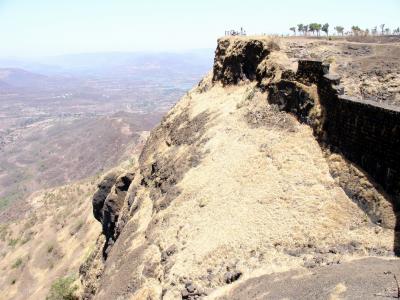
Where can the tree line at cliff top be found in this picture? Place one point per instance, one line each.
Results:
(316, 28)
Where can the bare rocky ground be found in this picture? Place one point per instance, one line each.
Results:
(369, 70)
(368, 278)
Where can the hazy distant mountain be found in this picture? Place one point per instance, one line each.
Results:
(111, 64)
(21, 81)
(4, 86)
(13, 77)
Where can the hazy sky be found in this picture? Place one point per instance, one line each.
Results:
(46, 27)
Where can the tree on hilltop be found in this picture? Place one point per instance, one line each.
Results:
(339, 29)
(315, 27)
(305, 29)
(356, 30)
(387, 31)
(382, 26)
(293, 29)
(300, 28)
(312, 27)
(374, 30)
(318, 28)
(325, 28)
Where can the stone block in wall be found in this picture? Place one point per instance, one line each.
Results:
(368, 134)
(311, 71)
(333, 78)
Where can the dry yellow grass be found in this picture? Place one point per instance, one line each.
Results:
(51, 242)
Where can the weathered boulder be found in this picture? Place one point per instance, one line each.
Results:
(237, 60)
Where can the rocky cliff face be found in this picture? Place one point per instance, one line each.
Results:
(231, 185)
(107, 204)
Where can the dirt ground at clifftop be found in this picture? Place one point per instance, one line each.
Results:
(369, 70)
(369, 278)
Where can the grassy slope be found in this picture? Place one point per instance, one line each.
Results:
(50, 242)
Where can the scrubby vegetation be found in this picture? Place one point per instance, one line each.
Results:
(13, 242)
(316, 28)
(63, 289)
(17, 263)
(3, 231)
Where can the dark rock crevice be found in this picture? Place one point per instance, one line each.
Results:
(107, 204)
(104, 188)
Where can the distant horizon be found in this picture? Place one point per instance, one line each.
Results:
(55, 55)
(51, 28)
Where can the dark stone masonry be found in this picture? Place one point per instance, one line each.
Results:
(311, 70)
(366, 132)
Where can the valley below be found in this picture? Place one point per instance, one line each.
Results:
(75, 118)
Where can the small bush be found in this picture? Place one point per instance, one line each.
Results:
(13, 242)
(63, 289)
(17, 263)
(3, 231)
(50, 248)
(274, 45)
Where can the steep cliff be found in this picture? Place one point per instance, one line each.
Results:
(238, 181)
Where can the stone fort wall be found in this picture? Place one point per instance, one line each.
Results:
(365, 132)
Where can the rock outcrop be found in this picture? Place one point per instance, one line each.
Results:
(99, 198)
(107, 204)
(238, 60)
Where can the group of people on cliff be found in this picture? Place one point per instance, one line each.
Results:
(232, 32)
